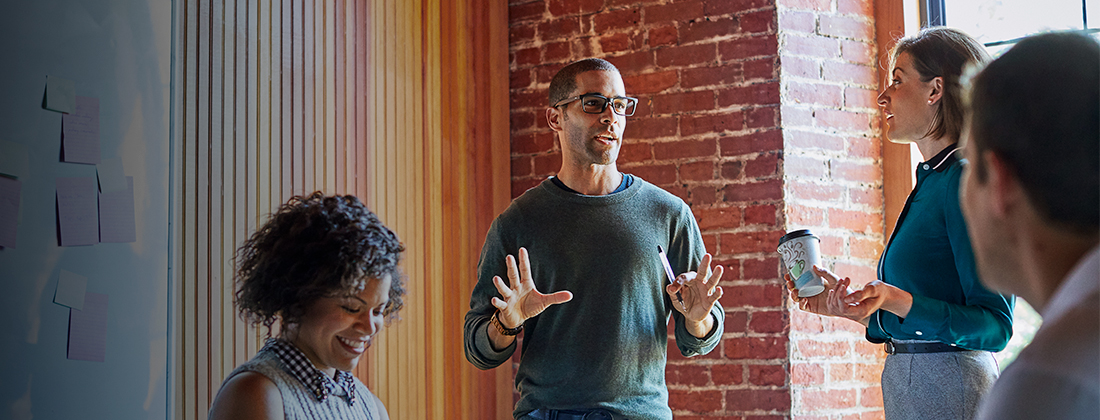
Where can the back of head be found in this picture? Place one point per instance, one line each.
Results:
(565, 80)
(1038, 108)
(943, 52)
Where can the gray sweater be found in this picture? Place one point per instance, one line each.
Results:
(607, 347)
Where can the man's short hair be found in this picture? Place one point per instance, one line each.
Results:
(1038, 108)
(565, 80)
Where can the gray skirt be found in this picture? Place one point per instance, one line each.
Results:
(933, 386)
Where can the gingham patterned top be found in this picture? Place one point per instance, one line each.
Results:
(316, 381)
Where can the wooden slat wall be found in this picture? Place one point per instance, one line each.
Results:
(401, 102)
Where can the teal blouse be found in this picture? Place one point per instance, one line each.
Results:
(929, 256)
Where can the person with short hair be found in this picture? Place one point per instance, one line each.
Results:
(938, 323)
(1031, 197)
(324, 268)
(596, 348)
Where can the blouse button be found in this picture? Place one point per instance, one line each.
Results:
(919, 333)
(926, 166)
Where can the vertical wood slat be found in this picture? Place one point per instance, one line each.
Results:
(347, 97)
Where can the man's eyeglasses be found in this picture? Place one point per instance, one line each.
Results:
(594, 103)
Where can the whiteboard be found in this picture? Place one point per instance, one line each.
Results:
(119, 52)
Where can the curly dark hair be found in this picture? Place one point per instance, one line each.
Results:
(313, 247)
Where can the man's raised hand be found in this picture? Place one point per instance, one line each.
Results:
(521, 300)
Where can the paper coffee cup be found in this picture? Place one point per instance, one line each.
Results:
(800, 252)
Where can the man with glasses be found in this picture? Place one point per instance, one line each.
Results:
(596, 347)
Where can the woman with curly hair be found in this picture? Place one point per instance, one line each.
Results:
(326, 268)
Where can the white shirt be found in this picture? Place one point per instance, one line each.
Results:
(1058, 375)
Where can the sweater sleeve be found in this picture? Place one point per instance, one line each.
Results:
(479, 351)
(984, 322)
(687, 246)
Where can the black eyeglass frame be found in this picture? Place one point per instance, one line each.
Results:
(606, 103)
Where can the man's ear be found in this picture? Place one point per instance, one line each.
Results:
(1007, 193)
(937, 90)
(554, 118)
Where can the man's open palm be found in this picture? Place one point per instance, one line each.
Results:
(522, 301)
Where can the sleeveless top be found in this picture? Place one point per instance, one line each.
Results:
(301, 403)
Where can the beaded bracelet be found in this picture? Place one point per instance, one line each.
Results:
(501, 329)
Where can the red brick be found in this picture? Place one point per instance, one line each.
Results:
(520, 79)
(855, 7)
(522, 120)
(868, 349)
(868, 147)
(754, 94)
(717, 217)
(855, 97)
(766, 268)
(768, 322)
(521, 166)
(807, 374)
(556, 51)
(685, 102)
(676, 12)
(767, 375)
(751, 296)
(727, 374)
(815, 94)
(572, 7)
(741, 400)
(763, 214)
(662, 36)
(521, 34)
(521, 185)
(759, 21)
(760, 348)
(527, 57)
(695, 401)
(815, 191)
(848, 72)
(732, 169)
(684, 149)
(846, 27)
(840, 372)
(763, 117)
(794, 21)
(634, 62)
(868, 373)
(814, 348)
(532, 143)
(706, 29)
(645, 83)
(526, 11)
(527, 100)
(544, 73)
(770, 189)
(814, 399)
(871, 396)
(585, 46)
(697, 171)
(865, 248)
(801, 67)
(614, 20)
(870, 197)
(723, 7)
(702, 195)
(832, 245)
(547, 164)
(709, 241)
(806, 322)
(753, 46)
(711, 76)
(650, 127)
(759, 141)
(762, 166)
(736, 322)
(615, 42)
(656, 174)
(631, 152)
(561, 28)
(764, 68)
(859, 172)
(858, 52)
(812, 45)
(855, 221)
(817, 5)
(805, 216)
(843, 120)
(691, 125)
(687, 374)
(684, 56)
(859, 273)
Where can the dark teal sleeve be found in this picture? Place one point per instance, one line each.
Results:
(984, 322)
(479, 351)
(687, 246)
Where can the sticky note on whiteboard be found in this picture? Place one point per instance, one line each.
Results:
(60, 94)
(88, 329)
(70, 290)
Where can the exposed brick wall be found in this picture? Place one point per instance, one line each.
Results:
(833, 185)
(708, 129)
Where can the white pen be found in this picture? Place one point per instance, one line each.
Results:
(669, 273)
